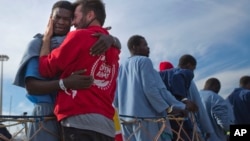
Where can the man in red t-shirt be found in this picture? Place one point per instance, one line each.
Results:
(86, 113)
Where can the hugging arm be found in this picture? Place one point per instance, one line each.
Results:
(75, 81)
(103, 43)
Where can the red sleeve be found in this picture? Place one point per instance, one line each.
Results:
(53, 64)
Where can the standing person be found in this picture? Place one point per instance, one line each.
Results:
(217, 109)
(180, 81)
(41, 91)
(141, 95)
(85, 114)
(240, 101)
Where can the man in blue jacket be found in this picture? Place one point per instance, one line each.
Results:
(141, 96)
(240, 101)
(217, 109)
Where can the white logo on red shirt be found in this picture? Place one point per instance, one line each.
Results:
(103, 73)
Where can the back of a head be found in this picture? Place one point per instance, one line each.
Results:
(186, 60)
(133, 41)
(212, 84)
(63, 4)
(245, 82)
(165, 65)
(96, 5)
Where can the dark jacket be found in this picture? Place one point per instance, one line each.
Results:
(177, 81)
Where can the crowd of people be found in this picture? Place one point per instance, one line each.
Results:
(76, 76)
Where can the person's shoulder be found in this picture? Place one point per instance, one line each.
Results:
(37, 37)
(90, 30)
(246, 91)
(143, 58)
(83, 33)
(98, 29)
(216, 98)
(184, 72)
(203, 94)
(77, 31)
(167, 71)
(207, 92)
(35, 42)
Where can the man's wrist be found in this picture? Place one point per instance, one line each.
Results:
(62, 86)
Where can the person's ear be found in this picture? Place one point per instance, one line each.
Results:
(91, 14)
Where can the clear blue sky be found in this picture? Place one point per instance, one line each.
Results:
(216, 32)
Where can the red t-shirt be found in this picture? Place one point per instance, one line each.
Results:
(74, 54)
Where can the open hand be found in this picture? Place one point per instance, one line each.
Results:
(78, 81)
(49, 30)
(102, 44)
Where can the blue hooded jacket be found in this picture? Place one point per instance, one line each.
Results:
(177, 81)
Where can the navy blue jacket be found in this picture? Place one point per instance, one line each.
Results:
(177, 81)
(240, 101)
